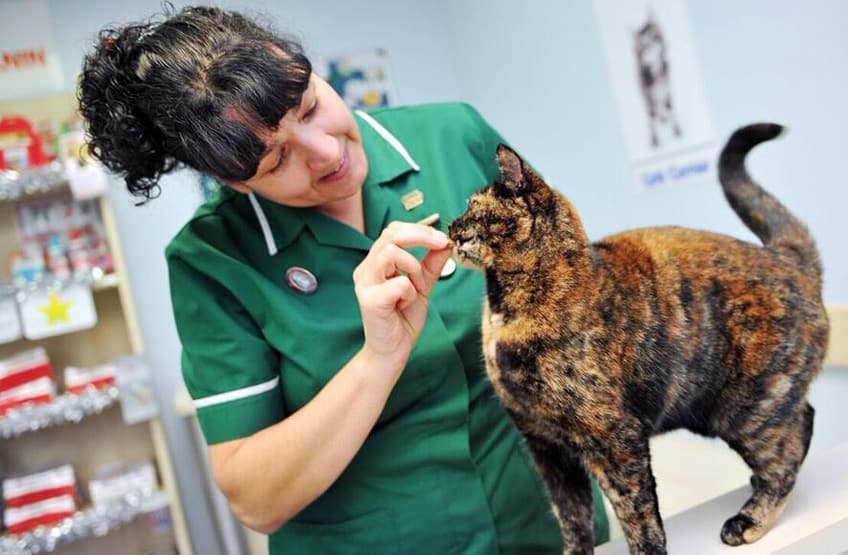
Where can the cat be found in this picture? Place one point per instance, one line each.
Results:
(594, 347)
(654, 81)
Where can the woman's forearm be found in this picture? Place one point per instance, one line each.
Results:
(273, 474)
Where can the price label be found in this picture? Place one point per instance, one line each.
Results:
(10, 322)
(49, 313)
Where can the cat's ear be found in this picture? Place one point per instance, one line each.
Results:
(512, 173)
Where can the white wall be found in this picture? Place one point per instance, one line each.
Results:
(537, 71)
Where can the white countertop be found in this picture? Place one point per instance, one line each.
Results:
(815, 521)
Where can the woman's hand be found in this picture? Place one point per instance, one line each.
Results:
(393, 289)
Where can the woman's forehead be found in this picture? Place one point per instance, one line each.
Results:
(253, 121)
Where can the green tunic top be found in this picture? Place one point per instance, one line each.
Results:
(443, 471)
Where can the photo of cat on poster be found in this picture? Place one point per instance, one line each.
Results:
(657, 88)
(649, 47)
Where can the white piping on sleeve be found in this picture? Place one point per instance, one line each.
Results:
(263, 223)
(236, 394)
(389, 138)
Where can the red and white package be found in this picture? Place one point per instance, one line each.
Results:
(40, 390)
(24, 367)
(98, 377)
(33, 488)
(20, 520)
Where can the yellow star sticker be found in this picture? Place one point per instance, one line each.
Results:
(56, 310)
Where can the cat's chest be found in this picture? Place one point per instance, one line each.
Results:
(499, 338)
(530, 381)
(492, 329)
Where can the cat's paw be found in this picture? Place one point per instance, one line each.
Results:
(733, 531)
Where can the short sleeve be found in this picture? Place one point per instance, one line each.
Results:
(230, 371)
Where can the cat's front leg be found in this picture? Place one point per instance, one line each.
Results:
(570, 492)
(623, 470)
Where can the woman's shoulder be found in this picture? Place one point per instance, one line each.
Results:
(210, 226)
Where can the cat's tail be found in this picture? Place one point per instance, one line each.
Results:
(775, 226)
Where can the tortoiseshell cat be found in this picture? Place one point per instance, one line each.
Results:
(594, 347)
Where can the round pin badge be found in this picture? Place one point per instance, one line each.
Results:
(301, 280)
(448, 269)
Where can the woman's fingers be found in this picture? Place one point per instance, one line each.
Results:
(388, 256)
(407, 235)
(388, 296)
(431, 269)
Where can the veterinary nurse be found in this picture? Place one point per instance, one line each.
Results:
(331, 348)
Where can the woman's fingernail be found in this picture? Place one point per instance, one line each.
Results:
(440, 236)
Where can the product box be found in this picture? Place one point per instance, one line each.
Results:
(41, 498)
(117, 481)
(24, 367)
(20, 520)
(24, 490)
(98, 377)
(40, 390)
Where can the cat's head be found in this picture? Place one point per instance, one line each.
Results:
(506, 219)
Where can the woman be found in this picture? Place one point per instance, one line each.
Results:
(342, 415)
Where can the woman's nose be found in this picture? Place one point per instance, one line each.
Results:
(320, 149)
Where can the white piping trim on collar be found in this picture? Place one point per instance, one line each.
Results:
(263, 223)
(270, 242)
(236, 394)
(389, 138)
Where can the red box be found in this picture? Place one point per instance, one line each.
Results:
(33, 488)
(40, 390)
(24, 367)
(20, 520)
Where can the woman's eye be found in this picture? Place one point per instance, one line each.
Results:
(311, 109)
(278, 164)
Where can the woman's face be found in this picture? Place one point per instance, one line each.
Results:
(315, 157)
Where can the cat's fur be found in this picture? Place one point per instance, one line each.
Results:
(594, 347)
(654, 81)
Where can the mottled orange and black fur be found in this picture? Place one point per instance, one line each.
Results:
(594, 347)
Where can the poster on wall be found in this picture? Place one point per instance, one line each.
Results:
(362, 79)
(29, 63)
(658, 91)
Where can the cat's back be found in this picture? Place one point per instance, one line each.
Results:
(681, 268)
(673, 248)
(684, 265)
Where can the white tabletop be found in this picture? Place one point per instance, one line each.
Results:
(815, 521)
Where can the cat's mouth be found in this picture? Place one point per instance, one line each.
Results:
(464, 257)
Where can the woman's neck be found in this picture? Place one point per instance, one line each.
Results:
(348, 211)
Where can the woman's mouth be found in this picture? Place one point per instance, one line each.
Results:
(341, 169)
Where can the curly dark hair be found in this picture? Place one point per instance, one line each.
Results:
(194, 89)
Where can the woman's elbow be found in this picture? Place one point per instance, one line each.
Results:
(258, 521)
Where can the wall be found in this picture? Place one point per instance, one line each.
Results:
(538, 72)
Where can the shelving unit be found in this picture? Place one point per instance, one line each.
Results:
(101, 438)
